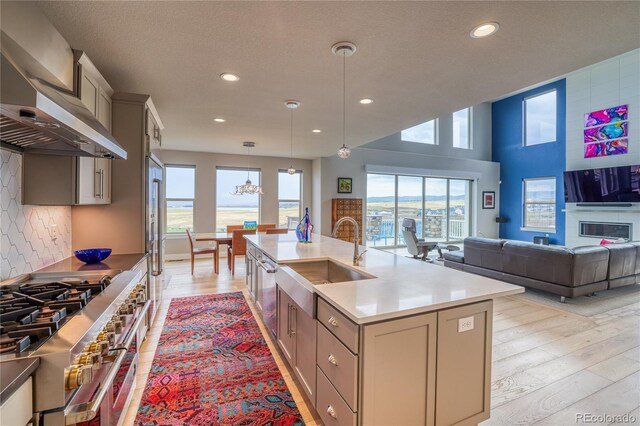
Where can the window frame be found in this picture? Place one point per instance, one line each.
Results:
(469, 129)
(524, 117)
(168, 199)
(525, 226)
(241, 169)
(287, 200)
(436, 133)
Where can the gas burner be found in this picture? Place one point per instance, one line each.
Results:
(32, 311)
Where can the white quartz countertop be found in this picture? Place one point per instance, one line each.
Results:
(402, 286)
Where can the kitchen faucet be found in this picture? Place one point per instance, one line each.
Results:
(357, 257)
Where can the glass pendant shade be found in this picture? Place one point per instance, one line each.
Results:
(291, 170)
(344, 152)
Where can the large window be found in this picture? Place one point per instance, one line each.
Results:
(540, 203)
(235, 209)
(461, 129)
(180, 195)
(422, 133)
(540, 119)
(441, 208)
(289, 199)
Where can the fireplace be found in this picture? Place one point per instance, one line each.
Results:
(606, 230)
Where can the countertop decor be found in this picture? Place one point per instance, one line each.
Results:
(92, 255)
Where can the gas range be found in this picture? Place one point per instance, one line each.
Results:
(32, 310)
(86, 328)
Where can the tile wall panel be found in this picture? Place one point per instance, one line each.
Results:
(31, 236)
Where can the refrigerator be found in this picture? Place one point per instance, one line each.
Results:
(155, 231)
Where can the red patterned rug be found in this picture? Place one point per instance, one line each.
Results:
(213, 367)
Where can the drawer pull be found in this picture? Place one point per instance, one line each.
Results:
(332, 321)
(332, 412)
(333, 360)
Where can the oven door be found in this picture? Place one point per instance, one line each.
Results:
(115, 383)
(267, 293)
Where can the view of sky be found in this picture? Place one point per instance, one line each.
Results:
(180, 182)
(384, 185)
(288, 186)
(226, 181)
(540, 118)
(422, 133)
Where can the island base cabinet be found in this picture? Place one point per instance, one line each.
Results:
(398, 368)
(463, 389)
(285, 336)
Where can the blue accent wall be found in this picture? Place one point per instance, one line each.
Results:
(518, 162)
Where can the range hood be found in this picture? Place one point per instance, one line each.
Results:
(36, 117)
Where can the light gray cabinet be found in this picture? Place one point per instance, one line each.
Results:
(297, 340)
(92, 89)
(94, 180)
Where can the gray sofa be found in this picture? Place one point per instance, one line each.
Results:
(559, 270)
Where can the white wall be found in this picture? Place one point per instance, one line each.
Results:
(486, 175)
(602, 85)
(480, 138)
(205, 195)
(32, 236)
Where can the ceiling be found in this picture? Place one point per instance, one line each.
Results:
(415, 59)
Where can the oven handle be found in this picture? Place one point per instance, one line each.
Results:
(87, 411)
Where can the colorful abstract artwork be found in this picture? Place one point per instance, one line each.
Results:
(604, 149)
(603, 116)
(608, 131)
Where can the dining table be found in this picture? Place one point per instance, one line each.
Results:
(220, 238)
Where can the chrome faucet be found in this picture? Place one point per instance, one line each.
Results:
(357, 257)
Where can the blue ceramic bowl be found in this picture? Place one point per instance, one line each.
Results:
(93, 255)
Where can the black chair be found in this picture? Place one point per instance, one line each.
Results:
(415, 246)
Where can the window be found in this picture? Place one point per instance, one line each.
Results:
(289, 199)
(461, 126)
(441, 208)
(235, 209)
(540, 203)
(180, 194)
(422, 133)
(540, 119)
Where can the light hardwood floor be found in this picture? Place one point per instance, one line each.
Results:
(548, 365)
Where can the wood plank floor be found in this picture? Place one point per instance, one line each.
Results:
(548, 365)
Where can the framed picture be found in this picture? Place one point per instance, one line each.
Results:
(488, 200)
(344, 185)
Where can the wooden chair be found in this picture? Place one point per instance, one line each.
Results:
(277, 231)
(238, 247)
(231, 228)
(264, 227)
(197, 251)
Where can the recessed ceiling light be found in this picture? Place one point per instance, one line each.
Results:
(484, 30)
(219, 120)
(366, 101)
(317, 131)
(229, 77)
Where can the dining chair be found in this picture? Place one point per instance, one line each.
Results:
(231, 228)
(264, 227)
(198, 251)
(277, 231)
(238, 247)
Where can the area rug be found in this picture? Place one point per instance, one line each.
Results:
(213, 367)
(603, 301)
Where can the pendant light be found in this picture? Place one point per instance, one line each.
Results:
(248, 187)
(291, 104)
(344, 49)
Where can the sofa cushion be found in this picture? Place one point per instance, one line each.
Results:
(637, 244)
(483, 252)
(544, 263)
(622, 260)
(590, 264)
(454, 256)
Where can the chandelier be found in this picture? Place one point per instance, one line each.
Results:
(344, 49)
(248, 187)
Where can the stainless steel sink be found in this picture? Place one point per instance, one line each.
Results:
(327, 271)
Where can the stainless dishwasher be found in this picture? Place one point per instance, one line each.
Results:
(266, 298)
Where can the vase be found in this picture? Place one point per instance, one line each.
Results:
(304, 228)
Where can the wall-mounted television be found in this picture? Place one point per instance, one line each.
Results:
(605, 185)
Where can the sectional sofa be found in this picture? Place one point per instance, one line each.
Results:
(560, 270)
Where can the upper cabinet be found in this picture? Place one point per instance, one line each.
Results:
(153, 128)
(92, 89)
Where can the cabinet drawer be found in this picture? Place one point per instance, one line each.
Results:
(339, 365)
(339, 325)
(330, 406)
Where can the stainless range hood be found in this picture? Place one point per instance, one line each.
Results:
(36, 117)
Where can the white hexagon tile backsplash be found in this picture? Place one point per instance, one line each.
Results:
(32, 236)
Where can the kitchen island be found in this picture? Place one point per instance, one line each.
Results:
(391, 341)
